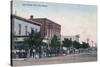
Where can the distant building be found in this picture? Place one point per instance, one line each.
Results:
(48, 28)
(71, 37)
(21, 27)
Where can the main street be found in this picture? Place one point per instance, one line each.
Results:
(72, 58)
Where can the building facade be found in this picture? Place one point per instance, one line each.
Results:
(48, 28)
(71, 37)
(21, 27)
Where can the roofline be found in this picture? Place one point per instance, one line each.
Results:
(23, 19)
(46, 19)
(70, 35)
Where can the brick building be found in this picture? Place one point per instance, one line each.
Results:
(48, 28)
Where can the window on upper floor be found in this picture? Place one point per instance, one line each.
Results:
(32, 29)
(26, 30)
(19, 29)
(36, 30)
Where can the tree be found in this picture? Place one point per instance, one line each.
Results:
(55, 45)
(85, 45)
(76, 45)
(33, 40)
(67, 43)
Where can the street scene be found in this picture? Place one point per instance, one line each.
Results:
(43, 34)
(73, 58)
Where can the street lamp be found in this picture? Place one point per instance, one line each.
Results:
(87, 40)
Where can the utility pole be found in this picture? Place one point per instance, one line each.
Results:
(87, 40)
(92, 43)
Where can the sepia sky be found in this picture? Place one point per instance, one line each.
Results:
(73, 18)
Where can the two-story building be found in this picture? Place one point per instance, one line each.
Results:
(21, 27)
(48, 28)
